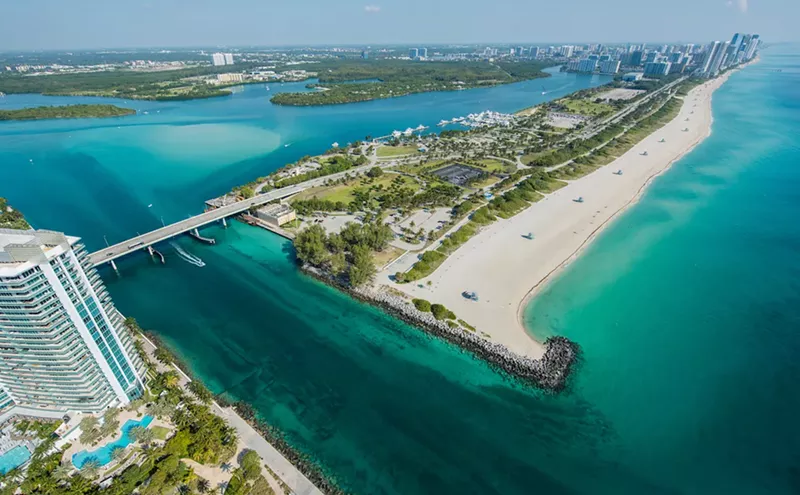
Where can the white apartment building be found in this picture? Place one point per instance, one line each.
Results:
(218, 59)
(63, 344)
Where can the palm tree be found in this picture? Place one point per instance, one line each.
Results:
(184, 489)
(62, 473)
(118, 454)
(203, 485)
(90, 469)
(226, 467)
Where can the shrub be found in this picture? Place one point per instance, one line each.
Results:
(422, 305)
(440, 312)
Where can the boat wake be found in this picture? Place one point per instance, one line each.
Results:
(187, 257)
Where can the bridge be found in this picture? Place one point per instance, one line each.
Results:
(111, 253)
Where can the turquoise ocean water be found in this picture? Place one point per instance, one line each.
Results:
(685, 308)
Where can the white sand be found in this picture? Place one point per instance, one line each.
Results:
(506, 270)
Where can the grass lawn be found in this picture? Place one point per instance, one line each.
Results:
(160, 433)
(388, 151)
(492, 166)
(386, 256)
(491, 180)
(586, 107)
(344, 192)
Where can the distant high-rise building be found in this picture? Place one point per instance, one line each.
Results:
(737, 38)
(229, 59)
(587, 65)
(657, 68)
(218, 59)
(574, 65)
(413, 53)
(752, 46)
(364, 54)
(711, 52)
(609, 66)
(719, 56)
(676, 57)
(535, 51)
(636, 58)
(63, 345)
(651, 57)
(423, 52)
(567, 50)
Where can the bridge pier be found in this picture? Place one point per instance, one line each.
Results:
(224, 222)
(114, 266)
(150, 250)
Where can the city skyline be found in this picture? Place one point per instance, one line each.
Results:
(204, 24)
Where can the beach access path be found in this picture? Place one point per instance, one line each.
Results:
(506, 269)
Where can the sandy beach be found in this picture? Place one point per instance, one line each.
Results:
(506, 270)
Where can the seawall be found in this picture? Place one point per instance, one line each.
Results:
(549, 373)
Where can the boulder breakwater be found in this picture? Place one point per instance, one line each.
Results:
(549, 373)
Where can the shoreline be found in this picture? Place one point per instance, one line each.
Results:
(499, 266)
(552, 275)
(542, 283)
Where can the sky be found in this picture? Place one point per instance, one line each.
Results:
(74, 24)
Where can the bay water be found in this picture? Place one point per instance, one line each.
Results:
(686, 308)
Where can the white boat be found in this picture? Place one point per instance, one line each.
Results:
(444, 122)
(150, 205)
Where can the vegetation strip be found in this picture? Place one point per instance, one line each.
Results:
(66, 112)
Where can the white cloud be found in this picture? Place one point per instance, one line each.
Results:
(374, 9)
(729, 3)
(743, 5)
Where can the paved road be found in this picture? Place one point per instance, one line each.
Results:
(142, 241)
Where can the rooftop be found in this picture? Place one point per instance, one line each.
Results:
(21, 247)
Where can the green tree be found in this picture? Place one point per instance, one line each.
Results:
(250, 463)
(362, 270)
(203, 485)
(201, 392)
(141, 434)
(374, 172)
(89, 431)
(310, 245)
(90, 469)
(118, 454)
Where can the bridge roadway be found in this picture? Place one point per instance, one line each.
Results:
(142, 241)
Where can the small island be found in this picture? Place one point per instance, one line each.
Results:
(356, 81)
(66, 112)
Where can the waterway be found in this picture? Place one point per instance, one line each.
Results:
(687, 384)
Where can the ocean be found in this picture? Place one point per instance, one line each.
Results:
(684, 308)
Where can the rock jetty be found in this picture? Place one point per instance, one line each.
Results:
(550, 372)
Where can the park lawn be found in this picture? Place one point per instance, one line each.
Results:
(389, 151)
(489, 181)
(160, 432)
(586, 107)
(497, 166)
(344, 192)
(528, 158)
(383, 258)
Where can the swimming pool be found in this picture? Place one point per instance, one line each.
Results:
(14, 458)
(103, 454)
